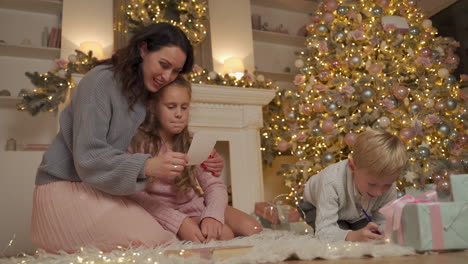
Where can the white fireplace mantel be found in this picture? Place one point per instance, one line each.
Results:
(234, 114)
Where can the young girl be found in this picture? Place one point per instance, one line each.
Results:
(194, 205)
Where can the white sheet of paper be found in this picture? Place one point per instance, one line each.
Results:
(201, 147)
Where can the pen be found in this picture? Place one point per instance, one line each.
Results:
(370, 220)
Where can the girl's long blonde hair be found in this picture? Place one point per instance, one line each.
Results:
(148, 140)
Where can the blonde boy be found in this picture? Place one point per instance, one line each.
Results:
(334, 198)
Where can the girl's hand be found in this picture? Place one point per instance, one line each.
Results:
(166, 166)
(211, 229)
(189, 230)
(366, 233)
(214, 163)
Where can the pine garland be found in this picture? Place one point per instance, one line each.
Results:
(52, 87)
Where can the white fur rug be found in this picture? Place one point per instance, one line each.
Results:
(269, 246)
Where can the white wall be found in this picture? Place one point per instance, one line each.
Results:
(231, 32)
(87, 20)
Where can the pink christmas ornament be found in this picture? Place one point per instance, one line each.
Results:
(330, 5)
(318, 106)
(335, 63)
(400, 92)
(407, 133)
(375, 68)
(315, 18)
(310, 27)
(328, 17)
(306, 109)
(440, 105)
(328, 126)
(350, 139)
(425, 52)
(383, 3)
(324, 76)
(452, 59)
(301, 137)
(283, 145)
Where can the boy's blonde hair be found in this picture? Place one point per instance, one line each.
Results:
(380, 153)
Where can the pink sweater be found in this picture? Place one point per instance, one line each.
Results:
(170, 207)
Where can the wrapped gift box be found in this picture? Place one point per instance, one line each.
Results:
(425, 224)
(433, 226)
(276, 214)
(459, 185)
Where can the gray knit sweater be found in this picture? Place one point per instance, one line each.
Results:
(95, 131)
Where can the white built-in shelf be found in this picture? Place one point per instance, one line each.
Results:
(278, 76)
(302, 6)
(37, 6)
(278, 38)
(9, 101)
(29, 52)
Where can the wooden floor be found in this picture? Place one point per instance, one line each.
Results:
(457, 257)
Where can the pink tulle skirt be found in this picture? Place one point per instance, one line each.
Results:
(70, 215)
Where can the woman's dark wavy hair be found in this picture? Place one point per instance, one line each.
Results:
(126, 62)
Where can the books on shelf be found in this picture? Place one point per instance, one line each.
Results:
(54, 40)
(36, 147)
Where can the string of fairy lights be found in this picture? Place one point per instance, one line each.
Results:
(363, 68)
(52, 88)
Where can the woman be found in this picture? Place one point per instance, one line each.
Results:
(81, 183)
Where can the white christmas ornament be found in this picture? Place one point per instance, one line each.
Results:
(260, 78)
(212, 75)
(299, 63)
(399, 22)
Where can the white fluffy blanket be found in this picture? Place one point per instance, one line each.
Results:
(268, 246)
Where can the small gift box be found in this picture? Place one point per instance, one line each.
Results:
(425, 224)
(276, 213)
(459, 185)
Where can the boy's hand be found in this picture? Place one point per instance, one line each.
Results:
(189, 230)
(366, 233)
(211, 229)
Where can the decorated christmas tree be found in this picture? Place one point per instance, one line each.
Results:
(377, 64)
(189, 15)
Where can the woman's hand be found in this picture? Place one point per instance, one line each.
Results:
(189, 230)
(166, 166)
(214, 163)
(211, 229)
